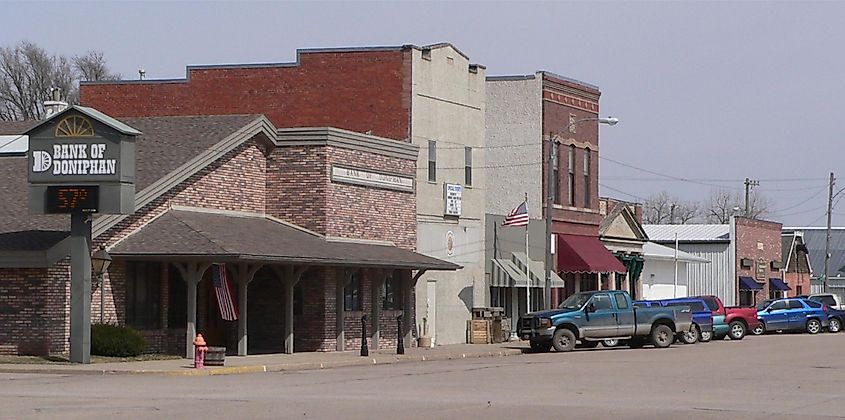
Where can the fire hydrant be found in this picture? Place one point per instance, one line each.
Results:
(199, 351)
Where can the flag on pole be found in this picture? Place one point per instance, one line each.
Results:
(518, 216)
(220, 280)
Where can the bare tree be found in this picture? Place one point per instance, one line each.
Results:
(721, 205)
(663, 208)
(28, 73)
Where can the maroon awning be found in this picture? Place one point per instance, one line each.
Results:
(585, 254)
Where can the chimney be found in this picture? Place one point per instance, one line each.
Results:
(55, 105)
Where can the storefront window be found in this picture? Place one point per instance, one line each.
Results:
(143, 289)
(392, 293)
(352, 294)
(177, 315)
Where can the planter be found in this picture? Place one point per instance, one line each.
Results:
(215, 356)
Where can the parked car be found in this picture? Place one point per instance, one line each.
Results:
(600, 315)
(835, 316)
(831, 300)
(731, 321)
(702, 319)
(794, 314)
(759, 330)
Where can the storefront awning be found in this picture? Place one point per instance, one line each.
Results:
(748, 283)
(585, 254)
(511, 273)
(778, 284)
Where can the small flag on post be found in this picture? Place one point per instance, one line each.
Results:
(518, 216)
(220, 280)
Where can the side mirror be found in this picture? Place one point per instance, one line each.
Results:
(591, 307)
(769, 309)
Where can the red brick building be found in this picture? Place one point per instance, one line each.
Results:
(314, 225)
(758, 260)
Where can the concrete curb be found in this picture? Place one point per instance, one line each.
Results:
(378, 359)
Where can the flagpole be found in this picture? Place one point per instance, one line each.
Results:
(527, 261)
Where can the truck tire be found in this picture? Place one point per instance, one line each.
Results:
(690, 337)
(814, 326)
(610, 342)
(541, 346)
(662, 336)
(737, 330)
(563, 340)
(835, 325)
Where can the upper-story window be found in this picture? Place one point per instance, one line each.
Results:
(468, 166)
(587, 178)
(555, 173)
(432, 161)
(571, 176)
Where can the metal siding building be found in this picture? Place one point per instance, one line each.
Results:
(711, 242)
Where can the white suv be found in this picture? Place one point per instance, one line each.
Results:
(830, 299)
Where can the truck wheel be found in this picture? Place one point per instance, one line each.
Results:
(587, 344)
(835, 325)
(610, 342)
(563, 340)
(541, 346)
(661, 336)
(759, 329)
(691, 336)
(814, 326)
(737, 330)
(706, 336)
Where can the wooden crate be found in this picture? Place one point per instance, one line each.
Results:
(479, 331)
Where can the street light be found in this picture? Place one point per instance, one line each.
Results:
(100, 261)
(553, 141)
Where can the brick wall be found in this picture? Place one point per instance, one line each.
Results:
(297, 181)
(760, 241)
(356, 90)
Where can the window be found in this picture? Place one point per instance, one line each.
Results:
(468, 166)
(571, 177)
(177, 313)
(391, 293)
(432, 161)
(814, 305)
(143, 288)
(352, 293)
(555, 173)
(501, 297)
(621, 302)
(587, 192)
(602, 302)
(795, 304)
(781, 304)
(826, 299)
(698, 307)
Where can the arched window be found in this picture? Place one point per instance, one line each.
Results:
(587, 190)
(571, 176)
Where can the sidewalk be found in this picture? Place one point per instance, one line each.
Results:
(275, 362)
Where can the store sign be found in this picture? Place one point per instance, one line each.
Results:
(372, 179)
(453, 194)
(74, 159)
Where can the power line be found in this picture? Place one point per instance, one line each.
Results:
(667, 176)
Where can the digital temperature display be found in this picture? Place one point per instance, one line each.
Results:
(72, 199)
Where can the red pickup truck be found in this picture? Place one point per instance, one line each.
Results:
(731, 321)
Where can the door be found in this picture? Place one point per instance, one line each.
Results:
(429, 323)
(602, 318)
(797, 315)
(776, 316)
(625, 316)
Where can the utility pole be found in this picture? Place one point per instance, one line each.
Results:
(672, 214)
(749, 183)
(550, 197)
(827, 237)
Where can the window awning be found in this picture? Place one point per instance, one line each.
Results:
(511, 273)
(778, 284)
(585, 254)
(748, 283)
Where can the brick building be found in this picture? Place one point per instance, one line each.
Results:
(314, 225)
(796, 263)
(523, 114)
(430, 96)
(758, 260)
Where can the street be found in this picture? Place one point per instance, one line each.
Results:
(773, 376)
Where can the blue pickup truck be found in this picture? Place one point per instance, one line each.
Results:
(590, 317)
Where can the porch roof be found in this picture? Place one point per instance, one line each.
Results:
(201, 234)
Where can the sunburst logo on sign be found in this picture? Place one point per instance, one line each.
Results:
(74, 126)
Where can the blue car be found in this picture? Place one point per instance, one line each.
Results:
(794, 314)
(702, 318)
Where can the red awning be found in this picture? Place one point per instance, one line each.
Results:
(585, 254)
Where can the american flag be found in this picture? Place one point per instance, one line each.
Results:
(223, 290)
(518, 216)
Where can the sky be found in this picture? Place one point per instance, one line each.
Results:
(708, 93)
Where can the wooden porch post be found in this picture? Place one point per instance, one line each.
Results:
(408, 323)
(192, 274)
(245, 274)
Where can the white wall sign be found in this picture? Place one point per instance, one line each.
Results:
(453, 199)
(372, 179)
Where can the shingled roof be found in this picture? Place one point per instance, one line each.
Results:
(218, 235)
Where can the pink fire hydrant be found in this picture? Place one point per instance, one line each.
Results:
(199, 352)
